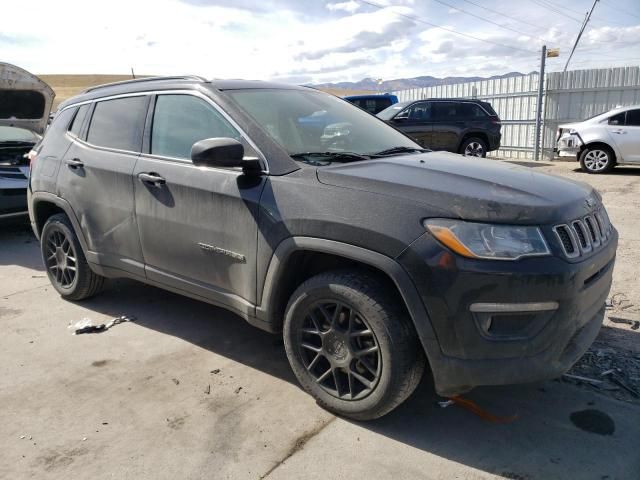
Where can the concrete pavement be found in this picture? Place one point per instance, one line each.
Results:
(132, 402)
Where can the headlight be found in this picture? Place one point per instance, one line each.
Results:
(484, 240)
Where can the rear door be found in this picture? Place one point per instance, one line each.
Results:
(625, 130)
(96, 179)
(198, 225)
(449, 125)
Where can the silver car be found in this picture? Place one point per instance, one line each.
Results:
(25, 102)
(604, 141)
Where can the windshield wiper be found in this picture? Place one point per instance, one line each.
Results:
(333, 156)
(398, 150)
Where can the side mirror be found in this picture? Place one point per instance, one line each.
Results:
(217, 152)
(400, 119)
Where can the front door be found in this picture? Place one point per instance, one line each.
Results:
(95, 178)
(416, 122)
(198, 225)
(626, 135)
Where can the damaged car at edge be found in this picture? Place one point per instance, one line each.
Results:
(25, 103)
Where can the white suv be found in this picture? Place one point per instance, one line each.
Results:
(601, 142)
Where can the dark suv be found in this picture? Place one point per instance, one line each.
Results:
(368, 254)
(469, 127)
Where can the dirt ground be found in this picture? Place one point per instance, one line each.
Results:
(190, 391)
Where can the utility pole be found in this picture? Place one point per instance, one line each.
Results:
(584, 25)
(133, 75)
(536, 139)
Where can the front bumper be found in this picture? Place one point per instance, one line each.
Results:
(489, 346)
(568, 145)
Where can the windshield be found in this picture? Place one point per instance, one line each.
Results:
(311, 121)
(392, 111)
(14, 134)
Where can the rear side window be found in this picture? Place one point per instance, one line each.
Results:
(118, 123)
(447, 110)
(78, 120)
(633, 118)
(179, 121)
(471, 110)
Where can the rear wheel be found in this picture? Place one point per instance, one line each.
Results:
(597, 159)
(67, 267)
(351, 346)
(474, 147)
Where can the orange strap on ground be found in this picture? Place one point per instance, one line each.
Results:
(475, 408)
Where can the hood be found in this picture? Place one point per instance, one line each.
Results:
(25, 100)
(569, 126)
(467, 187)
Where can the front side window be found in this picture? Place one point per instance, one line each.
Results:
(617, 119)
(311, 121)
(633, 118)
(179, 121)
(118, 123)
(420, 112)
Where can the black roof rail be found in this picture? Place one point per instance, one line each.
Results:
(146, 79)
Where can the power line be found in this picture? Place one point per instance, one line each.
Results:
(618, 9)
(519, 32)
(420, 20)
(504, 15)
(552, 7)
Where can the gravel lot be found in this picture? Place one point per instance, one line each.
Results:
(190, 391)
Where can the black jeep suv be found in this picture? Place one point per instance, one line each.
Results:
(470, 127)
(371, 256)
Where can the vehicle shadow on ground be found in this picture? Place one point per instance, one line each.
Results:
(617, 171)
(24, 248)
(542, 443)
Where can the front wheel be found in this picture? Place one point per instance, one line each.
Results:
(597, 159)
(474, 147)
(350, 344)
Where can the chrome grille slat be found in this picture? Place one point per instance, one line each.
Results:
(584, 235)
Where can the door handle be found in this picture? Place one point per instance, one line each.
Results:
(619, 132)
(152, 179)
(74, 163)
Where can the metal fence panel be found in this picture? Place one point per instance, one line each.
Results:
(569, 96)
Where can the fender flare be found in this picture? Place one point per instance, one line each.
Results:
(387, 265)
(46, 197)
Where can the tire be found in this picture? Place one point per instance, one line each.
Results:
(378, 381)
(597, 159)
(474, 147)
(64, 260)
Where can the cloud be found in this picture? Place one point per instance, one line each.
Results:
(299, 41)
(350, 6)
(370, 37)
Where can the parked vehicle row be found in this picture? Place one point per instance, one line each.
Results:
(317, 221)
(603, 141)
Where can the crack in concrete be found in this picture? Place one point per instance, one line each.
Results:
(298, 445)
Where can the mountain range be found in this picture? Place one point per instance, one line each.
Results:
(405, 83)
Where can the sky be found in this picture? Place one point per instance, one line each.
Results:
(314, 41)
